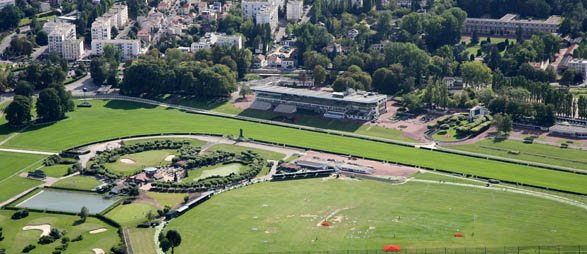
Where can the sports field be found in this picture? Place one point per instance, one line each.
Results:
(268, 155)
(130, 163)
(286, 216)
(540, 153)
(11, 165)
(131, 214)
(215, 170)
(78, 182)
(109, 119)
(16, 238)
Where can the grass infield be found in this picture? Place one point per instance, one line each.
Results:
(109, 119)
(285, 216)
(11, 165)
(78, 182)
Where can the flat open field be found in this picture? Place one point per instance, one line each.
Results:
(11, 164)
(131, 214)
(268, 155)
(215, 170)
(130, 163)
(17, 239)
(540, 153)
(285, 216)
(141, 240)
(108, 119)
(78, 182)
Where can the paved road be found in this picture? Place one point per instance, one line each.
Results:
(77, 87)
(6, 43)
(38, 52)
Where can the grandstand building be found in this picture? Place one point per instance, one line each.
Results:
(360, 105)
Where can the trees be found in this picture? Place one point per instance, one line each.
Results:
(476, 74)
(49, 105)
(319, 74)
(503, 122)
(171, 240)
(42, 38)
(24, 88)
(245, 90)
(10, 16)
(84, 214)
(18, 111)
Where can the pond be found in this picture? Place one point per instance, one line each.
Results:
(66, 201)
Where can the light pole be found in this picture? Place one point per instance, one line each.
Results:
(84, 90)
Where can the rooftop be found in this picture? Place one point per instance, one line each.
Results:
(358, 97)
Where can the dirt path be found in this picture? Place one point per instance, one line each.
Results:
(26, 151)
(333, 213)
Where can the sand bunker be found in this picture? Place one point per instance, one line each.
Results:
(169, 158)
(100, 230)
(98, 251)
(127, 161)
(45, 228)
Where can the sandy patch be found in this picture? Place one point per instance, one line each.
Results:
(337, 218)
(100, 230)
(98, 251)
(332, 214)
(169, 157)
(313, 216)
(289, 216)
(127, 161)
(45, 228)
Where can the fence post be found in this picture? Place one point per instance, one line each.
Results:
(518, 249)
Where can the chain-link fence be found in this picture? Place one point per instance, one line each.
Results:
(570, 249)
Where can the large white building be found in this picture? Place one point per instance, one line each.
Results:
(4, 3)
(60, 33)
(261, 11)
(73, 49)
(509, 24)
(119, 14)
(128, 48)
(101, 29)
(210, 39)
(294, 10)
(580, 65)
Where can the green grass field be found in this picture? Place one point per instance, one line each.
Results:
(214, 170)
(78, 182)
(11, 165)
(131, 214)
(141, 160)
(141, 240)
(447, 135)
(57, 170)
(368, 214)
(268, 155)
(17, 239)
(552, 155)
(109, 119)
(167, 199)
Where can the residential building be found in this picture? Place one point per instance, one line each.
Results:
(163, 6)
(210, 39)
(260, 61)
(578, 64)
(101, 28)
(4, 3)
(350, 105)
(60, 33)
(288, 63)
(50, 25)
(73, 49)
(128, 48)
(380, 46)
(267, 15)
(509, 24)
(408, 4)
(261, 11)
(144, 35)
(119, 15)
(294, 10)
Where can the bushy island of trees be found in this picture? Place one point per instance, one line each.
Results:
(53, 101)
(207, 73)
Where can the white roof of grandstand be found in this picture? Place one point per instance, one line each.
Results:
(284, 108)
(355, 97)
(260, 105)
(568, 129)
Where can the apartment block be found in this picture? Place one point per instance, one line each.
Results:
(60, 33)
(129, 48)
(73, 49)
(119, 14)
(261, 11)
(294, 10)
(210, 39)
(101, 28)
(509, 24)
(580, 65)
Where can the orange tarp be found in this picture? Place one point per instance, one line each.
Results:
(387, 248)
(325, 223)
(459, 235)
